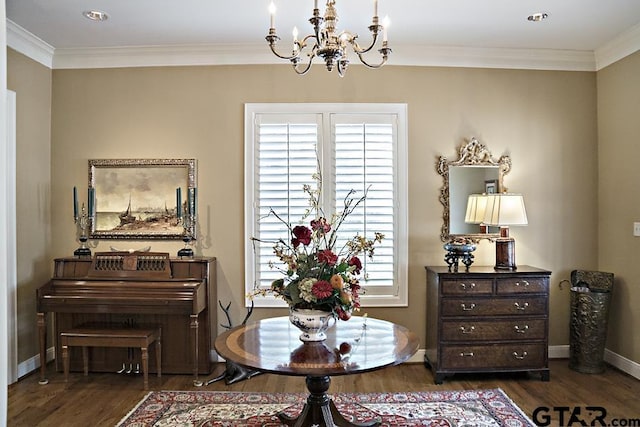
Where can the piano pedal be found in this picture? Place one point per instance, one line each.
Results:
(137, 371)
(121, 370)
(130, 368)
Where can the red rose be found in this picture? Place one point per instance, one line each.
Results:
(301, 235)
(327, 257)
(355, 292)
(322, 289)
(321, 225)
(343, 315)
(355, 261)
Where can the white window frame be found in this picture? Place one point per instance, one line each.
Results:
(399, 298)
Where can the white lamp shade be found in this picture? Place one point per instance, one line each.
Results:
(476, 207)
(505, 209)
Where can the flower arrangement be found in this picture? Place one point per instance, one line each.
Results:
(317, 275)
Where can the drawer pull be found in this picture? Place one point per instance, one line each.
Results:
(517, 356)
(520, 330)
(471, 307)
(524, 283)
(521, 307)
(468, 330)
(469, 354)
(469, 286)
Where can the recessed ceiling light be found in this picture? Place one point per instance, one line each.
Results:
(537, 17)
(95, 15)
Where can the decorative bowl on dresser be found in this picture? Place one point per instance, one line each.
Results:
(486, 320)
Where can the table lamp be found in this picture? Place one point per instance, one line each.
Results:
(503, 210)
(476, 208)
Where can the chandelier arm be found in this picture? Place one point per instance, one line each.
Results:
(300, 46)
(342, 69)
(303, 71)
(356, 47)
(316, 21)
(272, 38)
(304, 43)
(289, 58)
(385, 51)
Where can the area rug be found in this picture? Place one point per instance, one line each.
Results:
(472, 408)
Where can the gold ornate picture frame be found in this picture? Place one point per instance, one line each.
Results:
(137, 199)
(472, 154)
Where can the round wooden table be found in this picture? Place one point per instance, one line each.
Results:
(358, 345)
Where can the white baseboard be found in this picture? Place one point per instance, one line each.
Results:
(418, 357)
(555, 352)
(33, 363)
(622, 363)
(558, 352)
(625, 365)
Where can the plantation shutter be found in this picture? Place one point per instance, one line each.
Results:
(286, 162)
(364, 156)
(359, 147)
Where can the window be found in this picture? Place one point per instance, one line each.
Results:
(361, 147)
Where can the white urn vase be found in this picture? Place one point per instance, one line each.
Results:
(312, 323)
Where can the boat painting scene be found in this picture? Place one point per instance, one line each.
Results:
(138, 200)
(148, 219)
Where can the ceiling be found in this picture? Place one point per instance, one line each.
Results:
(575, 26)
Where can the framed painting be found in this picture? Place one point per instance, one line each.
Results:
(140, 199)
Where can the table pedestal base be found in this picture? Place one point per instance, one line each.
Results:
(319, 410)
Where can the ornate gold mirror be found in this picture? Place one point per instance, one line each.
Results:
(474, 172)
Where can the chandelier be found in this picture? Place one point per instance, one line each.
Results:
(328, 43)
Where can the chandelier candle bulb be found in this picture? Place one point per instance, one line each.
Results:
(385, 25)
(295, 39)
(375, 7)
(272, 14)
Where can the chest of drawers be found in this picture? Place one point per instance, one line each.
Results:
(487, 320)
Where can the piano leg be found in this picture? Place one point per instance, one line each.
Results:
(145, 366)
(42, 332)
(194, 345)
(159, 354)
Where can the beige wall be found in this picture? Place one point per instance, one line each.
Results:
(545, 120)
(32, 83)
(619, 198)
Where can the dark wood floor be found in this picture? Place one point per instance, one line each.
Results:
(103, 399)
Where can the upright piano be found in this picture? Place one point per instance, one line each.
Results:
(130, 289)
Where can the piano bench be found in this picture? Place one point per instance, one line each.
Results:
(104, 336)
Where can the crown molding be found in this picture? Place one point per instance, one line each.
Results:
(162, 56)
(251, 54)
(623, 45)
(474, 57)
(29, 45)
(236, 54)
